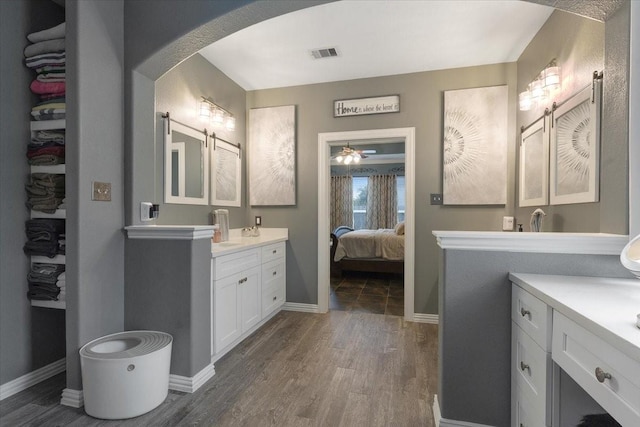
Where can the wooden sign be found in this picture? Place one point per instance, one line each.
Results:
(363, 106)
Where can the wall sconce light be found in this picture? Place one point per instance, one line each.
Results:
(538, 91)
(219, 116)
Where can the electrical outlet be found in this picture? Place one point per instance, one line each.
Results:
(436, 199)
(101, 191)
(258, 220)
(507, 223)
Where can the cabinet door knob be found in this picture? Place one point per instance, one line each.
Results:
(602, 375)
(275, 298)
(274, 251)
(525, 312)
(523, 366)
(274, 273)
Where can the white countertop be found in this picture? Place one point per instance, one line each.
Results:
(237, 243)
(606, 307)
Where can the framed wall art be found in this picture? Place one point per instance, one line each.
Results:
(475, 146)
(534, 164)
(272, 156)
(575, 148)
(226, 173)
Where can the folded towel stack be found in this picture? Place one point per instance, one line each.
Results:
(46, 55)
(45, 192)
(44, 237)
(47, 148)
(43, 281)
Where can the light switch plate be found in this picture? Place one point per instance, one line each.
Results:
(258, 220)
(507, 223)
(101, 191)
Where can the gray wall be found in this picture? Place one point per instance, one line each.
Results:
(169, 289)
(421, 98)
(474, 382)
(95, 152)
(30, 338)
(179, 92)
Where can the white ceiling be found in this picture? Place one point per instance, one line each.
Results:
(376, 38)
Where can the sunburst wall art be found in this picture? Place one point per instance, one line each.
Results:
(575, 145)
(475, 146)
(272, 159)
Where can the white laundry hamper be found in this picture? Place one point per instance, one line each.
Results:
(126, 374)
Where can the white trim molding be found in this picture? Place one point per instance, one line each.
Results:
(169, 232)
(554, 243)
(191, 384)
(454, 423)
(32, 378)
(305, 308)
(426, 318)
(437, 416)
(72, 398)
(325, 142)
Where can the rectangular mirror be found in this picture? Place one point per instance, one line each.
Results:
(186, 165)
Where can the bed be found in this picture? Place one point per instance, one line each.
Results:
(376, 251)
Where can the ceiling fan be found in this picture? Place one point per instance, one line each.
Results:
(348, 155)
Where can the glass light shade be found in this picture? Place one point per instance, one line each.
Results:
(537, 89)
(348, 159)
(218, 117)
(356, 159)
(525, 100)
(339, 159)
(205, 110)
(552, 77)
(231, 123)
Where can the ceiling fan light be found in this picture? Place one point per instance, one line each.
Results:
(339, 159)
(348, 159)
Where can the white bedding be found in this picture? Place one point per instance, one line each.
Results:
(382, 243)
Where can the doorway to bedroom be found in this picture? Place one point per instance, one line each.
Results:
(379, 198)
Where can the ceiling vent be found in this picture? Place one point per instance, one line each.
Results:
(329, 52)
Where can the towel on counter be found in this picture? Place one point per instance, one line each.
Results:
(43, 87)
(56, 32)
(47, 46)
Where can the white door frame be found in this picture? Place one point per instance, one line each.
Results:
(324, 163)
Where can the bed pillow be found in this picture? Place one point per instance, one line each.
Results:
(399, 228)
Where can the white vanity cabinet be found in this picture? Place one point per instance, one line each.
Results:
(581, 326)
(248, 288)
(531, 364)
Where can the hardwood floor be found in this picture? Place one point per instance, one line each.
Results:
(376, 293)
(344, 368)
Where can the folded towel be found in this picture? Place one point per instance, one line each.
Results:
(49, 105)
(41, 87)
(43, 78)
(56, 32)
(47, 46)
(51, 69)
(46, 59)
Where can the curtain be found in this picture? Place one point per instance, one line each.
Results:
(382, 202)
(341, 201)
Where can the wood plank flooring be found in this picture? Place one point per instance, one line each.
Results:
(344, 368)
(367, 293)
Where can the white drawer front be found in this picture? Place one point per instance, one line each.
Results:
(580, 353)
(523, 412)
(272, 252)
(272, 299)
(532, 315)
(531, 369)
(227, 265)
(273, 275)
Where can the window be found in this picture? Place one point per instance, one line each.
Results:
(360, 200)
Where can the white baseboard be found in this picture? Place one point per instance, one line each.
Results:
(305, 308)
(426, 318)
(32, 378)
(191, 384)
(73, 398)
(437, 416)
(454, 423)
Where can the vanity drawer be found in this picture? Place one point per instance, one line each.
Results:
(273, 275)
(226, 265)
(531, 371)
(274, 251)
(532, 315)
(581, 353)
(523, 412)
(272, 299)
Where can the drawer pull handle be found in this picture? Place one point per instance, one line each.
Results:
(525, 312)
(523, 366)
(244, 279)
(274, 298)
(274, 251)
(274, 273)
(602, 375)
